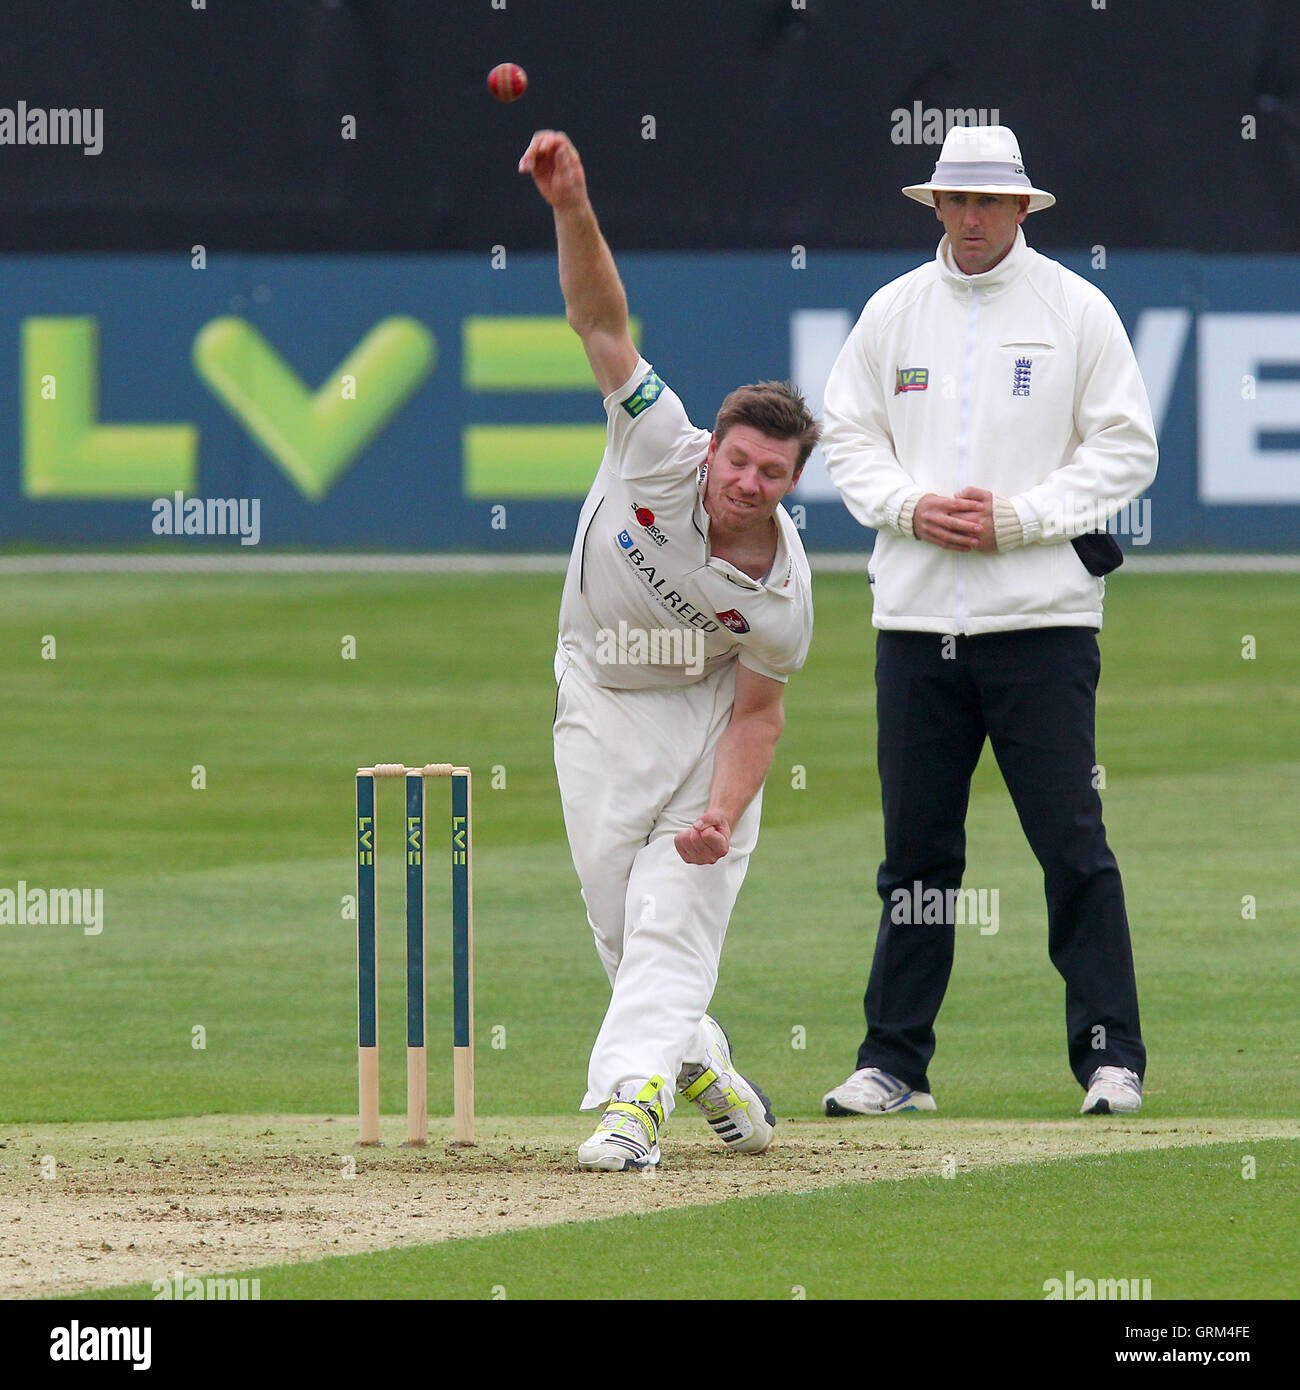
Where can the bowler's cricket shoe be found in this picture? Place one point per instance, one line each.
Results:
(1113, 1091)
(739, 1113)
(628, 1133)
(870, 1091)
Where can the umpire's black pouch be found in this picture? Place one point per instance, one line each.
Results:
(1099, 551)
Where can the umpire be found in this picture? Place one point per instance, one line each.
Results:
(986, 416)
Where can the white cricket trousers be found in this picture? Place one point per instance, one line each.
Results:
(635, 767)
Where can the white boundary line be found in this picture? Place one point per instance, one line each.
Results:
(217, 563)
(830, 562)
(833, 563)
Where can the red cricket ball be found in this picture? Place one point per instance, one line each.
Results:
(507, 82)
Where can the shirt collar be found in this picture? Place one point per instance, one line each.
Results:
(1009, 269)
(779, 578)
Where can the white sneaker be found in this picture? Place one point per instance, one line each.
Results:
(870, 1091)
(1112, 1091)
(628, 1133)
(740, 1114)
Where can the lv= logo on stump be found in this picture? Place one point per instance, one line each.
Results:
(462, 952)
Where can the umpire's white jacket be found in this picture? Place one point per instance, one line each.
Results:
(1020, 381)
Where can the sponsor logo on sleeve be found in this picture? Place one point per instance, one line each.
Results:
(911, 379)
(646, 518)
(733, 620)
(644, 396)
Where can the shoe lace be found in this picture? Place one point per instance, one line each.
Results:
(714, 1099)
(624, 1120)
(1118, 1076)
(873, 1079)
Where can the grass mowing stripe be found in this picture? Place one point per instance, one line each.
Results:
(224, 907)
(998, 1233)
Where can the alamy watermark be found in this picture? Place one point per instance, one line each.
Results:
(59, 125)
(656, 646)
(179, 515)
(1077, 514)
(191, 1288)
(928, 125)
(1098, 1289)
(52, 907)
(76, 1342)
(953, 907)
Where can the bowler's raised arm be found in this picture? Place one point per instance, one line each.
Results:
(594, 300)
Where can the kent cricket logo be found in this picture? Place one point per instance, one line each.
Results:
(646, 519)
(911, 379)
(734, 621)
(1020, 377)
(644, 396)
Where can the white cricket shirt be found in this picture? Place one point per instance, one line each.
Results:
(645, 604)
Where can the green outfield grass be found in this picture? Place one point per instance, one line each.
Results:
(223, 906)
(991, 1234)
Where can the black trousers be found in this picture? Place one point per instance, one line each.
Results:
(1033, 694)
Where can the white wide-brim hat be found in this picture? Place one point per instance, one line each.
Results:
(980, 159)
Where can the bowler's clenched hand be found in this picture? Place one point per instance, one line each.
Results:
(707, 841)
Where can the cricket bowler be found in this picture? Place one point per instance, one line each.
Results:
(686, 607)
